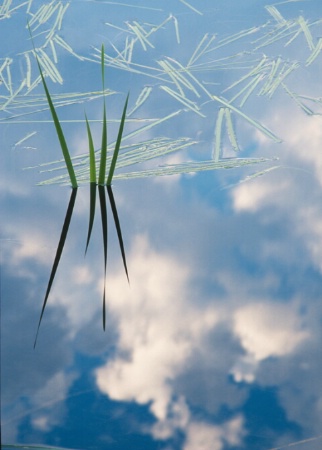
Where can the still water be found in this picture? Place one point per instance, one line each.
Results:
(215, 342)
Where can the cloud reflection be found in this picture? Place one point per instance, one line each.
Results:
(158, 329)
(225, 299)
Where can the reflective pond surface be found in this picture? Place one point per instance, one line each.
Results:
(215, 342)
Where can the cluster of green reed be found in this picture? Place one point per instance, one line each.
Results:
(100, 183)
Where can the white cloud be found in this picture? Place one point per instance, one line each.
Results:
(265, 330)
(49, 401)
(41, 423)
(203, 436)
(309, 227)
(81, 275)
(54, 390)
(251, 196)
(169, 181)
(300, 158)
(158, 330)
(34, 246)
(178, 418)
(303, 136)
(160, 325)
(293, 190)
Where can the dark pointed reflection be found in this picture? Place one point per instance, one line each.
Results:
(63, 236)
(102, 197)
(92, 205)
(59, 252)
(118, 228)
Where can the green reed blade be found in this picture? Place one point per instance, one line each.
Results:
(59, 252)
(92, 205)
(92, 175)
(102, 171)
(117, 145)
(60, 134)
(58, 127)
(92, 163)
(102, 197)
(118, 228)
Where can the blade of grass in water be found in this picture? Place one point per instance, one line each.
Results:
(92, 164)
(253, 122)
(218, 138)
(92, 204)
(101, 191)
(58, 127)
(59, 252)
(118, 228)
(92, 172)
(60, 134)
(102, 197)
(117, 145)
(102, 171)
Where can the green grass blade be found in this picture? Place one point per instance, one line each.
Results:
(58, 127)
(92, 164)
(92, 172)
(60, 134)
(102, 197)
(92, 204)
(59, 252)
(117, 145)
(118, 228)
(102, 171)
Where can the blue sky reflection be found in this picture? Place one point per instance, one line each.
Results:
(216, 343)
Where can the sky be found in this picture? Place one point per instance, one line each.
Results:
(214, 344)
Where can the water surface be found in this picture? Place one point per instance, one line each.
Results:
(216, 342)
